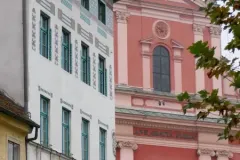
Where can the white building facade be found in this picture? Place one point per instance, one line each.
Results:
(70, 79)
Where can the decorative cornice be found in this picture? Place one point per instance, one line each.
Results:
(122, 17)
(86, 114)
(224, 153)
(215, 31)
(198, 28)
(103, 124)
(153, 125)
(167, 126)
(206, 151)
(127, 144)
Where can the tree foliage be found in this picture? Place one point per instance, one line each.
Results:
(226, 15)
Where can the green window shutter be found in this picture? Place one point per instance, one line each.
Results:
(105, 82)
(88, 70)
(50, 44)
(70, 58)
(62, 57)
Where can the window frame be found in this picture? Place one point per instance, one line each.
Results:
(44, 115)
(102, 143)
(160, 74)
(66, 44)
(85, 135)
(85, 64)
(13, 151)
(85, 4)
(66, 126)
(46, 31)
(102, 75)
(101, 17)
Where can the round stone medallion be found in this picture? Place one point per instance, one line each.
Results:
(161, 29)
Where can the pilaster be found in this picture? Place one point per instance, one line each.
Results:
(199, 73)
(127, 149)
(146, 57)
(215, 32)
(122, 18)
(205, 154)
(224, 155)
(177, 57)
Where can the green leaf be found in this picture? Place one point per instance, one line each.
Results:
(203, 93)
(183, 96)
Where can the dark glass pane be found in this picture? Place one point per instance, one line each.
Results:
(66, 117)
(85, 143)
(165, 83)
(156, 61)
(45, 106)
(164, 52)
(101, 11)
(16, 155)
(156, 81)
(156, 51)
(44, 22)
(44, 38)
(165, 65)
(161, 69)
(156, 69)
(85, 4)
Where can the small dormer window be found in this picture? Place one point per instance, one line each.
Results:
(85, 4)
(101, 12)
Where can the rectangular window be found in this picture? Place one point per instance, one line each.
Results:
(102, 76)
(66, 51)
(102, 144)
(66, 132)
(44, 108)
(85, 64)
(85, 4)
(101, 12)
(85, 126)
(45, 36)
(13, 151)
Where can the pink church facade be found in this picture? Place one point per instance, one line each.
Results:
(153, 65)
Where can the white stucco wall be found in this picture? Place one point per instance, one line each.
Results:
(69, 87)
(11, 50)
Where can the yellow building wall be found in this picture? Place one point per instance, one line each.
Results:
(12, 130)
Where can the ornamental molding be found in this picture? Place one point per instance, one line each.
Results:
(198, 28)
(114, 143)
(176, 45)
(161, 29)
(163, 125)
(206, 151)
(127, 144)
(154, 125)
(215, 30)
(224, 153)
(122, 17)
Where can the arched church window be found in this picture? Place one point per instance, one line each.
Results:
(161, 69)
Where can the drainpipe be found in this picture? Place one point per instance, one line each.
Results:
(25, 53)
(25, 66)
(35, 136)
